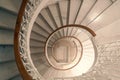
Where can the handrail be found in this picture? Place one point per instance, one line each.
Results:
(76, 25)
(20, 65)
(21, 48)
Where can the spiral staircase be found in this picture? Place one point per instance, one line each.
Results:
(60, 40)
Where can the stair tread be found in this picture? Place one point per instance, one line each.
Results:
(106, 17)
(6, 36)
(97, 10)
(6, 17)
(12, 5)
(16, 77)
(6, 53)
(7, 70)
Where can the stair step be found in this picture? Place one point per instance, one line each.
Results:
(85, 8)
(40, 29)
(40, 57)
(82, 36)
(97, 10)
(8, 11)
(11, 5)
(43, 23)
(63, 5)
(42, 68)
(53, 11)
(5, 27)
(6, 36)
(6, 17)
(36, 50)
(16, 77)
(106, 18)
(6, 53)
(38, 36)
(75, 6)
(46, 15)
(37, 43)
(8, 70)
(40, 62)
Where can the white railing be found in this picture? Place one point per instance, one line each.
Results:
(23, 48)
